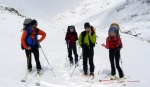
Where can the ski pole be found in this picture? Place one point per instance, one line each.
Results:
(47, 60)
(121, 63)
(79, 51)
(124, 84)
(68, 44)
(66, 57)
(28, 59)
(105, 77)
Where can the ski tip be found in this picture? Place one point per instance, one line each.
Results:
(23, 80)
(37, 84)
(124, 84)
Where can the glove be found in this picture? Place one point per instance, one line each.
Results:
(82, 46)
(119, 47)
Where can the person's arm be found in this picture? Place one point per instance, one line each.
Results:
(120, 42)
(67, 37)
(107, 44)
(40, 32)
(80, 40)
(76, 36)
(23, 39)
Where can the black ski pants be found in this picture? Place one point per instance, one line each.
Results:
(88, 55)
(74, 49)
(36, 57)
(114, 57)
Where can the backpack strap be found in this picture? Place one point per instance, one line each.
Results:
(83, 36)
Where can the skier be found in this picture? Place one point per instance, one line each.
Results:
(114, 44)
(30, 43)
(87, 40)
(71, 38)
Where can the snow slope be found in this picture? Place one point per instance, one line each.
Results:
(131, 15)
(13, 61)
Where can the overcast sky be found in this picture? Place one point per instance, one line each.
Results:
(39, 8)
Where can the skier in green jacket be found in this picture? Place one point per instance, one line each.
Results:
(87, 40)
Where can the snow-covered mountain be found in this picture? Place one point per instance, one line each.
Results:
(6, 9)
(38, 9)
(13, 64)
(129, 14)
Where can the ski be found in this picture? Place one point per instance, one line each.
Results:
(133, 81)
(90, 79)
(38, 78)
(27, 75)
(115, 81)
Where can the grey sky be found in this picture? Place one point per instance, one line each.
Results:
(41, 8)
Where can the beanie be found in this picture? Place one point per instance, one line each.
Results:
(87, 25)
(111, 29)
(33, 22)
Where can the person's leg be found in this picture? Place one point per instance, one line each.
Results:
(111, 58)
(29, 60)
(36, 56)
(75, 53)
(91, 62)
(85, 61)
(117, 59)
(70, 54)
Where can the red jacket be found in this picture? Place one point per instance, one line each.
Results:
(71, 38)
(113, 42)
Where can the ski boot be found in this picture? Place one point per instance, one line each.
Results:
(121, 80)
(112, 77)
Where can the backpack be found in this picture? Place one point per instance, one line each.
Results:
(93, 29)
(117, 28)
(26, 23)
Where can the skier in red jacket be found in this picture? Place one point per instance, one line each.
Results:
(114, 44)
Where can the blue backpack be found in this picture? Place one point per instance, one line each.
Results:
(33, 43)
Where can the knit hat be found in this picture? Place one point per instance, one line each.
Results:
(111, 29)
(33, 22)
(87, 25)
(71, 27)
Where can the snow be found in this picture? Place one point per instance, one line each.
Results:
(43, 9)
(134, 55)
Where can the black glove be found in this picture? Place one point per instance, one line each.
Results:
(82, 45)
(119, 47)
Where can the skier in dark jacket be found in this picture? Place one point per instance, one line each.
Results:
(71, 38)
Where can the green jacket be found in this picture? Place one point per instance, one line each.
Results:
(86, 39)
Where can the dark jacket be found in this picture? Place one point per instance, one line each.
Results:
(71, 38)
